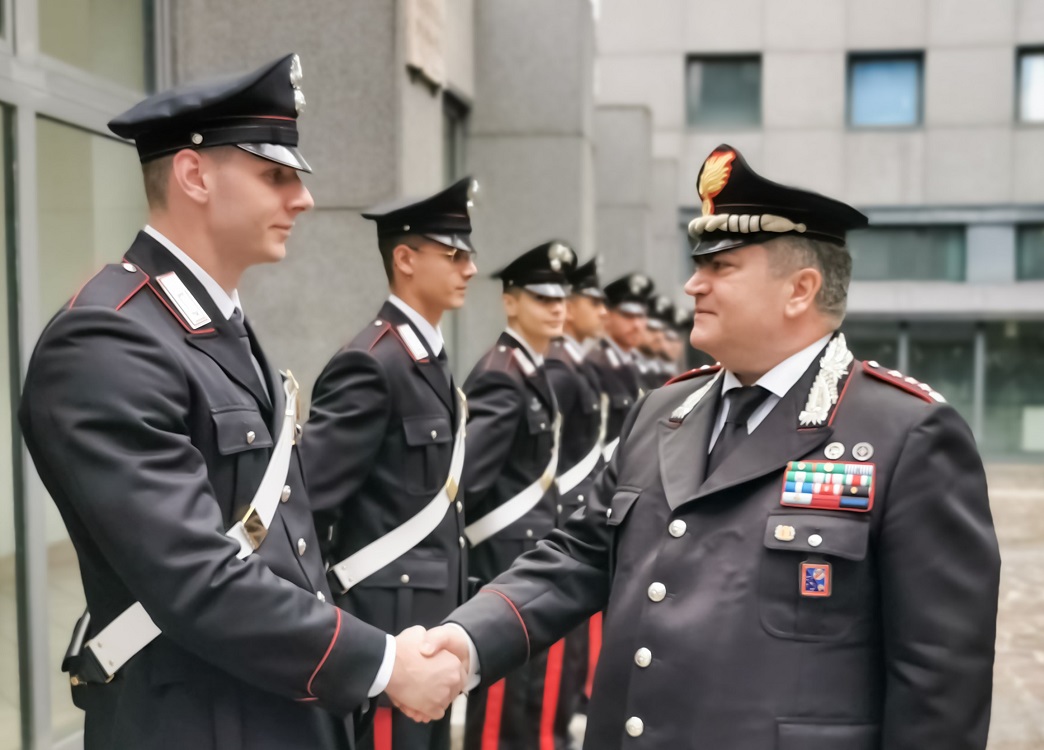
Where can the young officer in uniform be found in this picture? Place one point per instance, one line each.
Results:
(796, 548)
(613, 358)
(509, 479)
(675, 339)
(659, 318)
(584, 413)
(379, 447)
(166, 440)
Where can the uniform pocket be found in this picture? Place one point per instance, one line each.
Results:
(427, 438)
(840, 540)
(804, 736)
(240, 429)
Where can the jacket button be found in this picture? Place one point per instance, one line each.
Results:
(677, 528)
(657, 591)
(815, 540)
(643, 657)
(434, 434)
(460, 507)
(529, 533)
(129, 267)
(285, 494)
(320, 596)
(302, 545)
(251, 436)
(579, 498)
(460, 541)
(634, 726)
(559, 508)
(405, 578)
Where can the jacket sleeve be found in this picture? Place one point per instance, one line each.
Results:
(349, 417)
(551, 590)
(939, 573)
(104, 414)
(495, 407)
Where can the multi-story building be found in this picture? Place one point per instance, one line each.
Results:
(926, 114)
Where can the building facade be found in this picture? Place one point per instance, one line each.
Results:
(403, 96)
(928, 115)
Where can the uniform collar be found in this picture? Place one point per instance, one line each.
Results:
(781, 378)
(537, 359)
(624, 356)
(432, 334)
(226, 303)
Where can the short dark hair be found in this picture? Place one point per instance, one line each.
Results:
(387, 247)
(156, 174)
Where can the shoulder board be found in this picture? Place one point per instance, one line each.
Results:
(703, 370)
(912, 386)
(614, 361)
(112, 287)
(574, 351)
(412, 342)
(524, 364)
(374, 332)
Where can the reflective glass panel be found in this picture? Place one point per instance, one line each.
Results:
(1014, 389)
(1031, 86)
(884, 91)
(724, 91)
(920, 253)
(1030, 248)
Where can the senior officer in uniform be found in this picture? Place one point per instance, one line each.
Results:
(509, 480)
(584, 415)
(152, 416)
(613, 358)
(796, 548)
(384, 433)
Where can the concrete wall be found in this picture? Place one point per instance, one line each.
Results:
(967, 152)
(530, 144)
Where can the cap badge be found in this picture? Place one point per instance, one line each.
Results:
(473, 189)
(638, 284)
(296, 74)
(558, 254)
(714, 177)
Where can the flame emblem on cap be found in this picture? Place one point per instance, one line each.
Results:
(714, 177)
(558, 254)
(296, 75)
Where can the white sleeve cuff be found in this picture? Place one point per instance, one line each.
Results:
(474, 671)
(385, 672)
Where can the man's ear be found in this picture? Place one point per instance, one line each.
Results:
(802, 288)
(188, 175)
(403, 259)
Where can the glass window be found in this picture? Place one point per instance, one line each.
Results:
(943, 356)
(1030, 253)
(1031, 85)
(884, 90)
(1014, 389)
(724, 91)
(10, 732)
(91, 204)
(109, 38)
(918, 253)
(454, 123)
(872, 340)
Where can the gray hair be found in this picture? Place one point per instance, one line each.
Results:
(834, 262)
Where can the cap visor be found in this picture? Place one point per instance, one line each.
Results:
(457, 241)
(288, 156)
(723, 242)
(631, 308)
(554, 291)
(655, 325)
(592, 292)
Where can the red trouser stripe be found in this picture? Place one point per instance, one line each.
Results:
(382, 729)
(552, 684)
(594, 647)
(494, 710)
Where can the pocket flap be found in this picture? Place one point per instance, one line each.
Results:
(826, 736)
(411, 572)
(621, 505)
(842, 536)
(427, 430)
(621, 400)
(240, 430)
(538, 421)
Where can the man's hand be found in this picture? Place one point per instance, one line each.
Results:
(421, 686)
(448, 638)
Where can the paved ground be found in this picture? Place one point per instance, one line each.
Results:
(1017, 498)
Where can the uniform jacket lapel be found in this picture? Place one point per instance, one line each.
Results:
(216, 339)
(537, 381)
(683, 448)
(429, 368)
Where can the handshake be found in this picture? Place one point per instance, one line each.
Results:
(431, 669)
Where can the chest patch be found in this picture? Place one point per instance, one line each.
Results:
(829, 486)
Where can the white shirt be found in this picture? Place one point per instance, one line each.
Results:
(538, 359)
(777, 381)
(432, 334)
(226, 304)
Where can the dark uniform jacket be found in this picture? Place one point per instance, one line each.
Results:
(578, 393)
(376, 450)
(511, 414)
(708, 639)
(620, 382)
(152, 438)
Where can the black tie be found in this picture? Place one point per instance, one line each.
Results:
(238, 324)
(742, 403)
(444, 366)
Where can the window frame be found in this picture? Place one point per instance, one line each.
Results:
(1020, 53)
(862, 56)
(1019, 255)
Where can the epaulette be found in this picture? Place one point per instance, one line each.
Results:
(111, 287)
(905, 383)
(404, 334)
(503, 357)
(702, 370)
